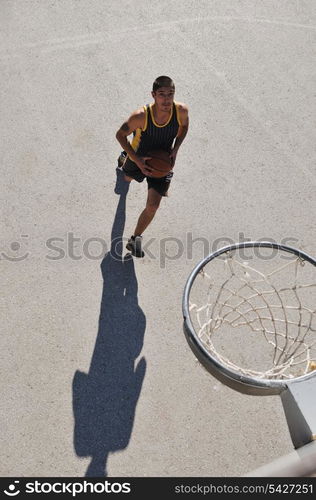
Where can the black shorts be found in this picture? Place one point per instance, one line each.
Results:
(161, 184)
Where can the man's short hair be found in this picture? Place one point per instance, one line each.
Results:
(162, 81)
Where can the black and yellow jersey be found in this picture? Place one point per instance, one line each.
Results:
(154, 136)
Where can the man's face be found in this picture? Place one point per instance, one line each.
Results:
(164, 98)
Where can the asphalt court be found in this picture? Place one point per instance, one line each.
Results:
(97, 377)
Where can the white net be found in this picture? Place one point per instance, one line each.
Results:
(256, 314)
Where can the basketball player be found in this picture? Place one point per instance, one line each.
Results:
(160, 125)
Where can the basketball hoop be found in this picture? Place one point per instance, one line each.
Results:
(250, 318)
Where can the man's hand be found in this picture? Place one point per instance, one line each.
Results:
(173, 156)
(142, 165)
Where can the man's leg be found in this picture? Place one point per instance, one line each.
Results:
(147, 215)
(135, 242)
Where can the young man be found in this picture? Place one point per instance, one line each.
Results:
(160, 125)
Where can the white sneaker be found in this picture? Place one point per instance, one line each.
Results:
(134, 245)
(121, 160)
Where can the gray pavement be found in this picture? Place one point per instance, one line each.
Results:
(96, 376)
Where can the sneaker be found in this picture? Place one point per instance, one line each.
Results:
(121, 160)
(121, 186)
(134, 245)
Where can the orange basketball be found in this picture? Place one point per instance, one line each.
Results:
(159, 162)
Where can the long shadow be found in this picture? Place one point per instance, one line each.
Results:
(104, 400)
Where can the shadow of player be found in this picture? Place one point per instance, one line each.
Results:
(104, 400)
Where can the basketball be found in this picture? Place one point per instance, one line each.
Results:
(159, 162)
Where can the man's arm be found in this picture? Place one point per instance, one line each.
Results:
(182, 132)
(135, 121)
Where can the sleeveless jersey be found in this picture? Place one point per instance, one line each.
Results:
(154, 136)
